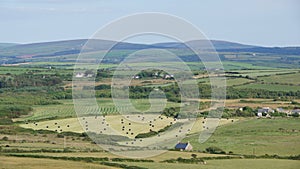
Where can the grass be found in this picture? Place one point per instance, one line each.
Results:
(33, 163)
(227, 164)
(237, 81)
(283, 79)
(66, 109)
(229, 65)
(262, 72)
(47, 142)
(255, 136)
(270, 87)
(70, 65)
(165, 156)
(229, 81)
(254, 103)
(16, 70)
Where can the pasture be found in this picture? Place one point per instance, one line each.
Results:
(164, 156)
(66, 109)
(34, 163)
(237, 81)
(270, 87)
(255, 136)
(232, 81)
(16, 70)
(226, 164)
(262, 72)
(292, 78)
(254, 103)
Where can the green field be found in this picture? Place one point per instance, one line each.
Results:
(255, 136)
(33, 163)
(229, 65)
(227, 164)
(52, 129)
(262, 72)
(292, 78)
(270, 87)
(237, 81)
(66, 109)
(17, 70)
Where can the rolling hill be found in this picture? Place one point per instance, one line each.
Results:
(62, 51)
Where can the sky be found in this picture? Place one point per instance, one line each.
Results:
(255, 22)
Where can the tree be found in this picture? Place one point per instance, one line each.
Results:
(87, 72)
(215, 150)
(5, 138)
(194, 155)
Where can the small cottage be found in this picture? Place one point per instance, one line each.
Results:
(264, 111)
(296, 111)
(184, 146)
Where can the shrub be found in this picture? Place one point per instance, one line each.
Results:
(215, 150)
(145, 135)
(60, 136)
(5, 138)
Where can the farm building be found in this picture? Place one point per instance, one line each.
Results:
(264, 111)
(281, 110)
(135, 77)
(184, 146)
(167, 76)
(296, 111)
(79, 74)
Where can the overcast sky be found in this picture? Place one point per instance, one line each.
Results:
(256, 22)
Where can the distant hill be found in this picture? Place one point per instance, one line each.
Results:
(5, 45)
(66, 47)
(225, 46)
(63, 47)
(269, 50)
(218, 45)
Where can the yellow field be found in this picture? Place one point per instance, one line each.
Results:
(105, 125)
(128, 126)
(200, 122)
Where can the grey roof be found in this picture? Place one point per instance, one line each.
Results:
(296, 111)
(181, 145)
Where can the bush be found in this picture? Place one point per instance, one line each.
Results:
(185, 160)
(5, 121)
(215, 150)
(60, 136)
(5, 138)
(121, 165)
(145, 135)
